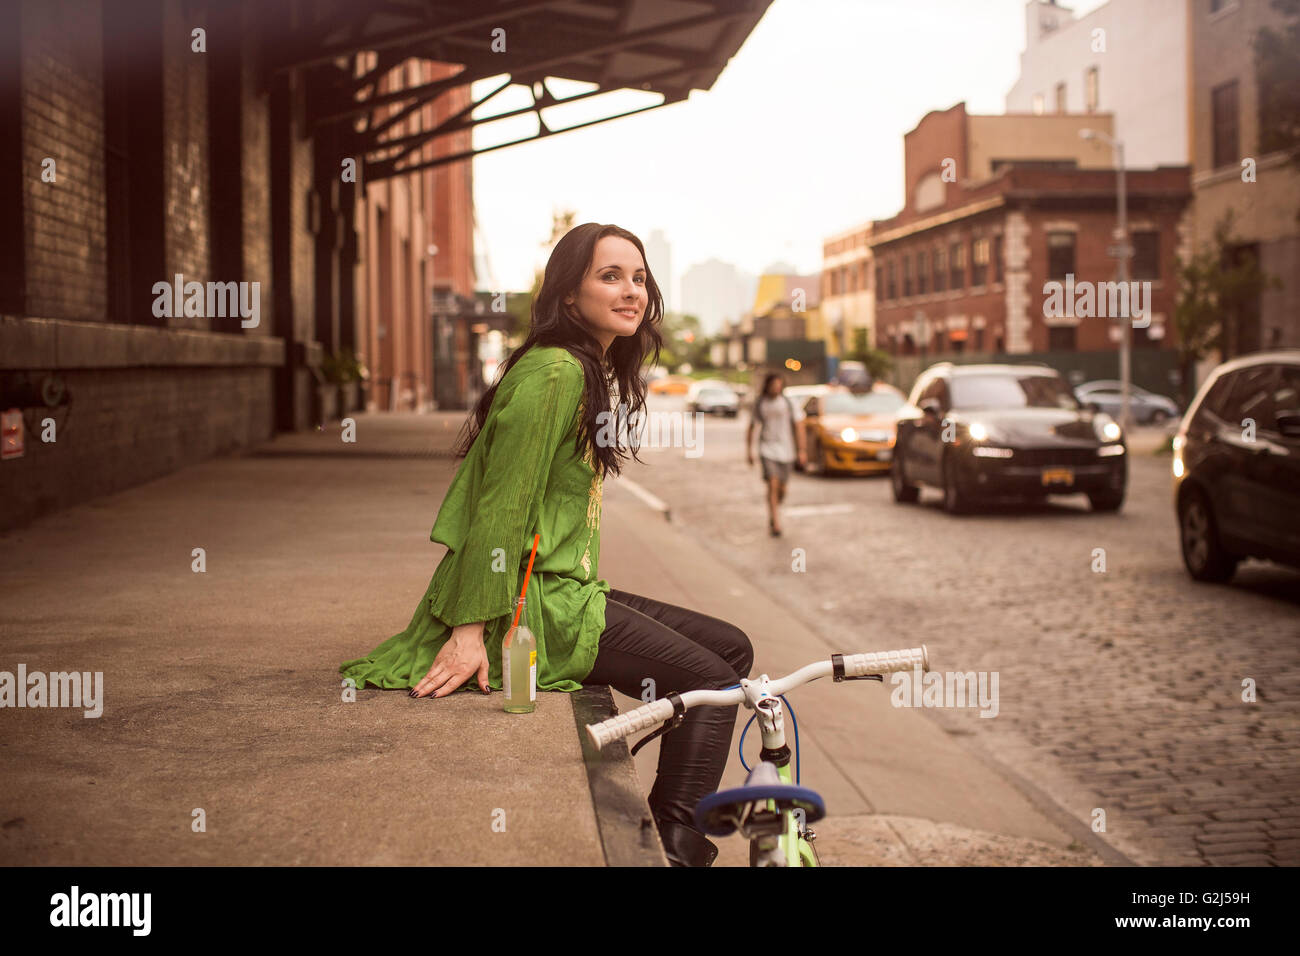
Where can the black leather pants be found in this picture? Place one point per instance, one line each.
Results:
(680, 650)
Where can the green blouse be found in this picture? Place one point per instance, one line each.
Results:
(521, 477)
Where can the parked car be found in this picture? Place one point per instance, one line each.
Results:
(715, 398)
(851, 431)
(984, 431)
(1147, 408)
(1237, 466)
(852, 375)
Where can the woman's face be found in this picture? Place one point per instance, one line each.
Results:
(774, 387)
(613, 295)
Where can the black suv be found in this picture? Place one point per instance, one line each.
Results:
(977, 431)
(1237, 466)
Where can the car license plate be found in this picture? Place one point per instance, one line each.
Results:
(1058, 476)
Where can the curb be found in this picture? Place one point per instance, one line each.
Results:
(654, 502)
(628, 834)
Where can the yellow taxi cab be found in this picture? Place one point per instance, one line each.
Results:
(671, 385)
(851, 430)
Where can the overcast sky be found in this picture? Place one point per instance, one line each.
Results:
(801, 136)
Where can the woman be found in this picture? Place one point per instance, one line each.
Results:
(780, 443)
(536, 455)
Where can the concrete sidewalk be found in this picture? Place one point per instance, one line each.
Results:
(223, 701)
(222, 698)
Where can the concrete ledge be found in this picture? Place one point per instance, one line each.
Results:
(627, 830)
(36, 343)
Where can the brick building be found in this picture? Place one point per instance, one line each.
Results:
(997, 206)
(204, 204)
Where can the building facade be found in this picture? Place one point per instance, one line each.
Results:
(964, 268)
(785, 330)
(1127, 58)
(1233, 171)
(848, 288)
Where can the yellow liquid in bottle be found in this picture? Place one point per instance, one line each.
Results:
(519, 668)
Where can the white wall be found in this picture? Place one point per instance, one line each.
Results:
(1142, 73)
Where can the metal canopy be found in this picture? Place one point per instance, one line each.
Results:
(669, 47)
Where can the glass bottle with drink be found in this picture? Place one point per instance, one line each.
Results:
(519, 666)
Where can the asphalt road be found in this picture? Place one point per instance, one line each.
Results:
(1120, 690)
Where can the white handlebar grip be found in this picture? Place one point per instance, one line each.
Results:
(887, 662)
(624, 725)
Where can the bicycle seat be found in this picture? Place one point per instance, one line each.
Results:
(717, 813)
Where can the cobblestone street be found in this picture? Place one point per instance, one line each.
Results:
(1120, 690)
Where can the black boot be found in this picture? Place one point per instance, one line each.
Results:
(686, 846)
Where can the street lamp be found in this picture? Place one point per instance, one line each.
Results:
(1122, 251)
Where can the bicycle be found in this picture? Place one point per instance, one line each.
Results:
(771, 811)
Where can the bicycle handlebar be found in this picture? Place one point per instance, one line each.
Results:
(658, 711)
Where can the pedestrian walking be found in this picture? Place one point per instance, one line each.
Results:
(533, 464)
(780, 442)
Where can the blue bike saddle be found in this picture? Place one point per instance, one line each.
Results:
(714, 813)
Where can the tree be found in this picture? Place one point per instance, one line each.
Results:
(684, 341)
(1217, 294)
(877, 361)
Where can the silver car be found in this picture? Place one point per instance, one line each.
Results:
(1147, 408)
(714, 398)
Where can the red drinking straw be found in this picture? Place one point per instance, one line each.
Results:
(527, 575)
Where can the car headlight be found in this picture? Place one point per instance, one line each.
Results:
(848, 434)
(978, 432)
(1106, 427)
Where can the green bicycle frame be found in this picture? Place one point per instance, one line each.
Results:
(797, 850)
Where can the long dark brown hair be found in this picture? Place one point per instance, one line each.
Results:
(552, 324)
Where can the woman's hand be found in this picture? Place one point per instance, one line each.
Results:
(462, 657)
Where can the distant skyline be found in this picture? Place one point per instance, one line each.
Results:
(801, 137)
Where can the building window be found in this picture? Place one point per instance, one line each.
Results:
(922, 271)
(880, 283)
(1060, 97)
(957, 265)
(1060, 255)
(1146, 255)
(940, 269)
(1091, 89)
(1223, 123)
(997, 258)
(940, 342)
(907, 276)
(891, 280)
(1038, 103)
(979, 262)
(1061, 338)
(979, 340)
